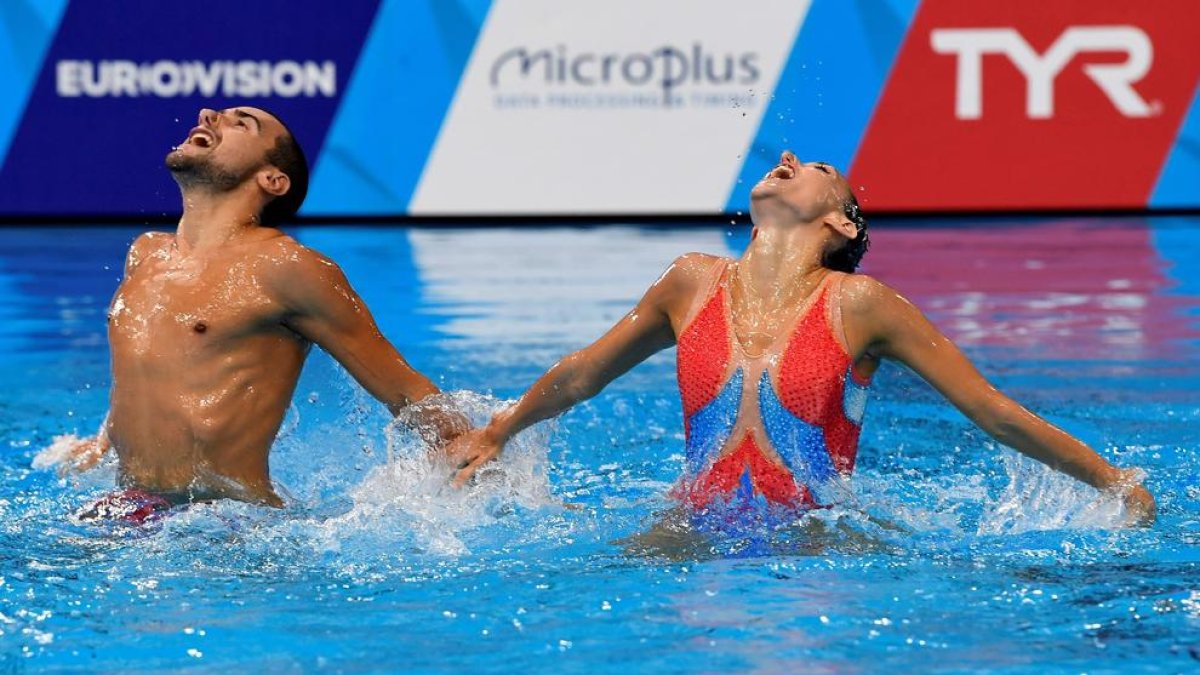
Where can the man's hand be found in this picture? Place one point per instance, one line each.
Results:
(72, 454)
(85, 454)
(471, 451)
(436, 420)
(440, 426)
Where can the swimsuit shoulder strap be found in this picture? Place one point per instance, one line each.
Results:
(833, 309)
(712, 286)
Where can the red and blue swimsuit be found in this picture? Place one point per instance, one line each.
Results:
(801, 398)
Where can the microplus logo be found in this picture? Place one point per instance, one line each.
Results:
(666, 69)
(167, 79)
(1116, 80)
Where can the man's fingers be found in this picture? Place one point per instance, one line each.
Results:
(88, 460)
(80, 460)
(72, 459)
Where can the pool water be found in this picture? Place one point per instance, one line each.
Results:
(954, 554)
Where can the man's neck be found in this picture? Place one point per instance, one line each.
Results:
(212, 220)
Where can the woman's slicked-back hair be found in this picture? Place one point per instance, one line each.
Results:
(848, 257)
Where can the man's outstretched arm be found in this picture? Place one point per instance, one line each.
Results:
(323, 308)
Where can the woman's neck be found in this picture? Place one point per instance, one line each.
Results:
(781, 258)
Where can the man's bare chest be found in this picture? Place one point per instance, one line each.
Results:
(165, 301)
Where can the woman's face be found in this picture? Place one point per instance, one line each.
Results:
(810, 189)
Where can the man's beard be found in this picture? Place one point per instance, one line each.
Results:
(202, 172)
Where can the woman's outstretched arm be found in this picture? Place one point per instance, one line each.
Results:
(644, 331)
(881, 322)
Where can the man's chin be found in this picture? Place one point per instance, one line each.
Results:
(177, 161)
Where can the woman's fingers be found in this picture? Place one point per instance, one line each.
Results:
(466, 473)
(1140, 506)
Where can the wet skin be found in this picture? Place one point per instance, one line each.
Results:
(206, 352)
(798, 218)
(210, 327)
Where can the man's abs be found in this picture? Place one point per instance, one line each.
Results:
(198, 413)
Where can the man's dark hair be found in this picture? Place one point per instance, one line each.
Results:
(287, 156)
(847, 258)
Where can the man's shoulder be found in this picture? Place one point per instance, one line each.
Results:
(287, 254)
(145, 245)
(291, 267)
(151, 241)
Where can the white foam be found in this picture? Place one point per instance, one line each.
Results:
(1040, 498)
(412, 493)
(57, 452)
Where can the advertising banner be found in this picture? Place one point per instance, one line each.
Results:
(540, 107)
(119, 83)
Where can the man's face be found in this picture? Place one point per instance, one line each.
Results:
(226, 147)
(810, 189)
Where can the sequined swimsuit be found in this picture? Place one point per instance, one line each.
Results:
(801, 398)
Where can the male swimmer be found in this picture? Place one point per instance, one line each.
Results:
(776, 351)
(210, 326)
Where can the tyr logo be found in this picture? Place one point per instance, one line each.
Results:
(1116, 80)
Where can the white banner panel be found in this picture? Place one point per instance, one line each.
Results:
(607, 107)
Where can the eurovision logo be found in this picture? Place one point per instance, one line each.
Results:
(165, 79)
(112, 96)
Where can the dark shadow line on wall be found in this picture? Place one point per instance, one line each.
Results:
(907, 218)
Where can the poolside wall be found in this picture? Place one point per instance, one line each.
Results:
(544, 107)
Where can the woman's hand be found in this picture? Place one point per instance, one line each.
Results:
(1140, 508)
(472, 450)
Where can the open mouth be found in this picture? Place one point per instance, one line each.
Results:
(781, 172)
(201, 137)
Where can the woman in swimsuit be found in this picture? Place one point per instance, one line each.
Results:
(775, 353)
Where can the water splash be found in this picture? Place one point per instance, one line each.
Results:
(57, 452)
(1037, 497)
(412, 494)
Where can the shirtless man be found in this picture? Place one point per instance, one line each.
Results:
(210, 327)
(776, 351)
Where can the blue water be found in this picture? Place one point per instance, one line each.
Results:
(953, 555)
